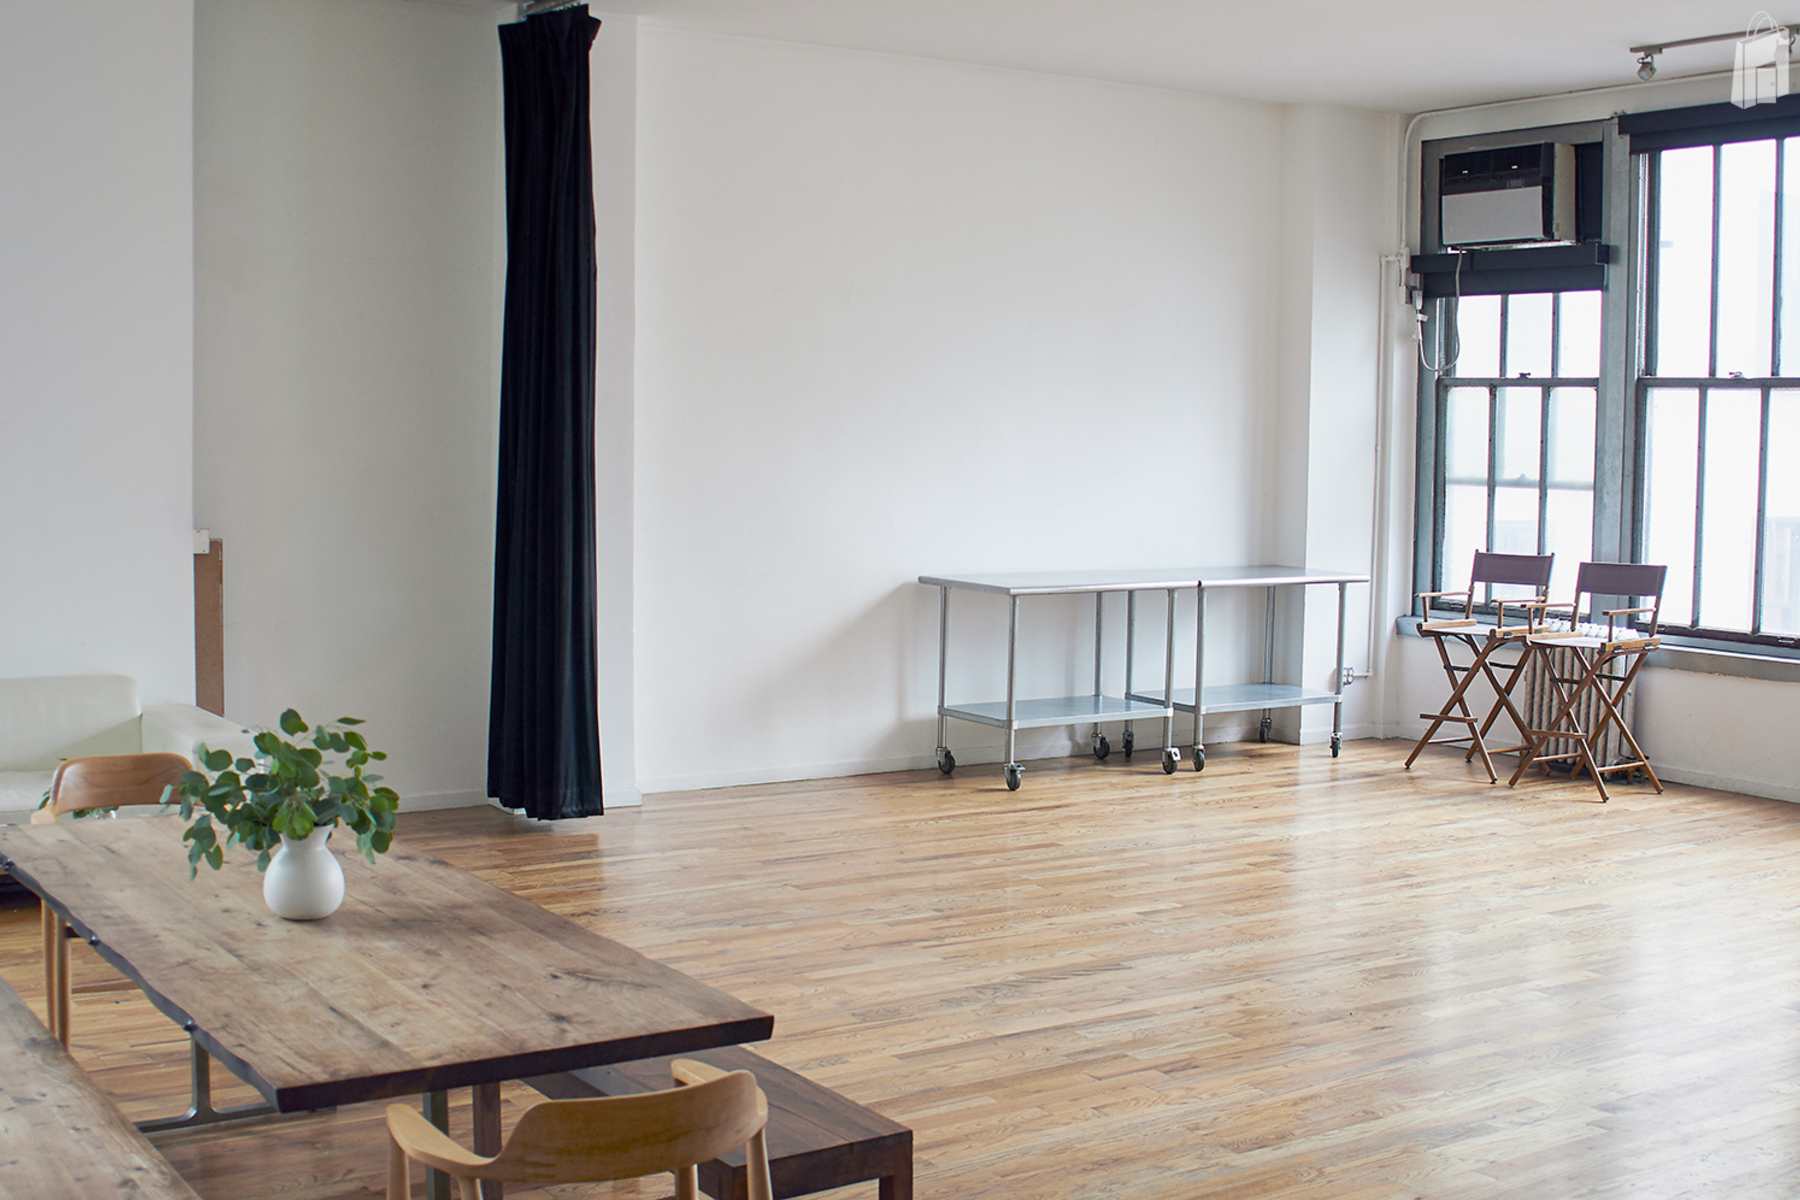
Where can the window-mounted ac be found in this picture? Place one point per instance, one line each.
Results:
(1511, 196)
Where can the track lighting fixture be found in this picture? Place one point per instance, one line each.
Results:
(1646, 63)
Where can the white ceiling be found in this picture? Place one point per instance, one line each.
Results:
(1402, 55)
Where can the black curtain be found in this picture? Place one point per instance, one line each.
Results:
(543, 718)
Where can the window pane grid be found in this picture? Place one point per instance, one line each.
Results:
(1516, 473)
(1714, 400)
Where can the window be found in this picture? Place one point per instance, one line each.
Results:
(1718, 397)
(1515, 415)
(1655, 419)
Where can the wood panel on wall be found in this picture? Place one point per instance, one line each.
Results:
(209, 627)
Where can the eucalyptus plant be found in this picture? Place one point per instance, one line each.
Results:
(288, 787)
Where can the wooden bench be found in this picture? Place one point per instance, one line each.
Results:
(818, 1140)
(64, 1137)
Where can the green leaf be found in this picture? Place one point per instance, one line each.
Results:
(262, 860)
(349, 720)
(291, 723)
(216, 760)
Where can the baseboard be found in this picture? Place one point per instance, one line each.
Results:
(614, 797)
(1727, 783)
(1059, 747)
(987, 753)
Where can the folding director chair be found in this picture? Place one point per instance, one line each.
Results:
(1483, 642)
(1601, 666)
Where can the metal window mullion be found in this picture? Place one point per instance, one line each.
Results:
(1775, 283)
(1440, 500)
(1493, 464)
(1762, 511)
(1699, 495)
(1505, 315)
(1555, 334)
(1543, 506)
(1712, 338)
(1652, 260)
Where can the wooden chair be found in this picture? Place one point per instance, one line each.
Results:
(708, 1113)
(1605, 662)
(1483, 641)
(80, 784)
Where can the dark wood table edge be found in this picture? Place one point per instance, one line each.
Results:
(311, 1097)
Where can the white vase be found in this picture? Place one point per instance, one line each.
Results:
(304, 881)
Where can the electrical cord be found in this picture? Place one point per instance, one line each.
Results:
(1455, 327)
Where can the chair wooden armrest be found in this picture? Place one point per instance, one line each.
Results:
(1612, 614)
(686, 1071)
(426, 1143)
(1529, 607)
(1425, 599)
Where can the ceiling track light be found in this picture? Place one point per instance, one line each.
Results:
(1646, 63)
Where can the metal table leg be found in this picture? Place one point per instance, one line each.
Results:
(1013, 769)
(1268, 662)
(1130, 655)
(1170, 755)
(1101, 747)
(486, 1108)
(200, 1106)
(1337, 709)
(436, 1107)
(945, 760)
(1199, 674)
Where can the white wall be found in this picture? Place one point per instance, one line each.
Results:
(898, 316)
(612, 70)
(1339, 186)
(96, 335)
(347, 185)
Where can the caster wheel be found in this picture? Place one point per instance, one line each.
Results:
(1128, 741)
(1102, 748)
(1263, 730)
(1013, 773)
(946, 761)
(1170, 759)
(1336, 744)
(1199, 759)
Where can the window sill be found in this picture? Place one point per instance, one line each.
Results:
(1704, 660)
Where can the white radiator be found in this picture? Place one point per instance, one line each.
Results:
(1541, 704)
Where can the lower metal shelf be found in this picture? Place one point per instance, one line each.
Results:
(1243, 697)
(1060, 710)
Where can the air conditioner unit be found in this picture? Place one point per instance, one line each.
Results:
(1512, 196)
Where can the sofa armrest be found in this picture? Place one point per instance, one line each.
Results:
(177, 728)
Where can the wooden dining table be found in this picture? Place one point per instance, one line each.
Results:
(427, 978)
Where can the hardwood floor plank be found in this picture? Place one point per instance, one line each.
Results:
(1287, 976)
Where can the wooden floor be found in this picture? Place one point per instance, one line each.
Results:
(1287, 976)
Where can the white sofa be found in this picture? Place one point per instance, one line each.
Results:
(47, 719)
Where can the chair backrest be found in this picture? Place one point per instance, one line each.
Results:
(1523, 570)
(624, 1137)
(111, 781)
(1634, 581)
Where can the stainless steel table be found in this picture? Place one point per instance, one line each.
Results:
(1013, 714)
(1250, 697)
